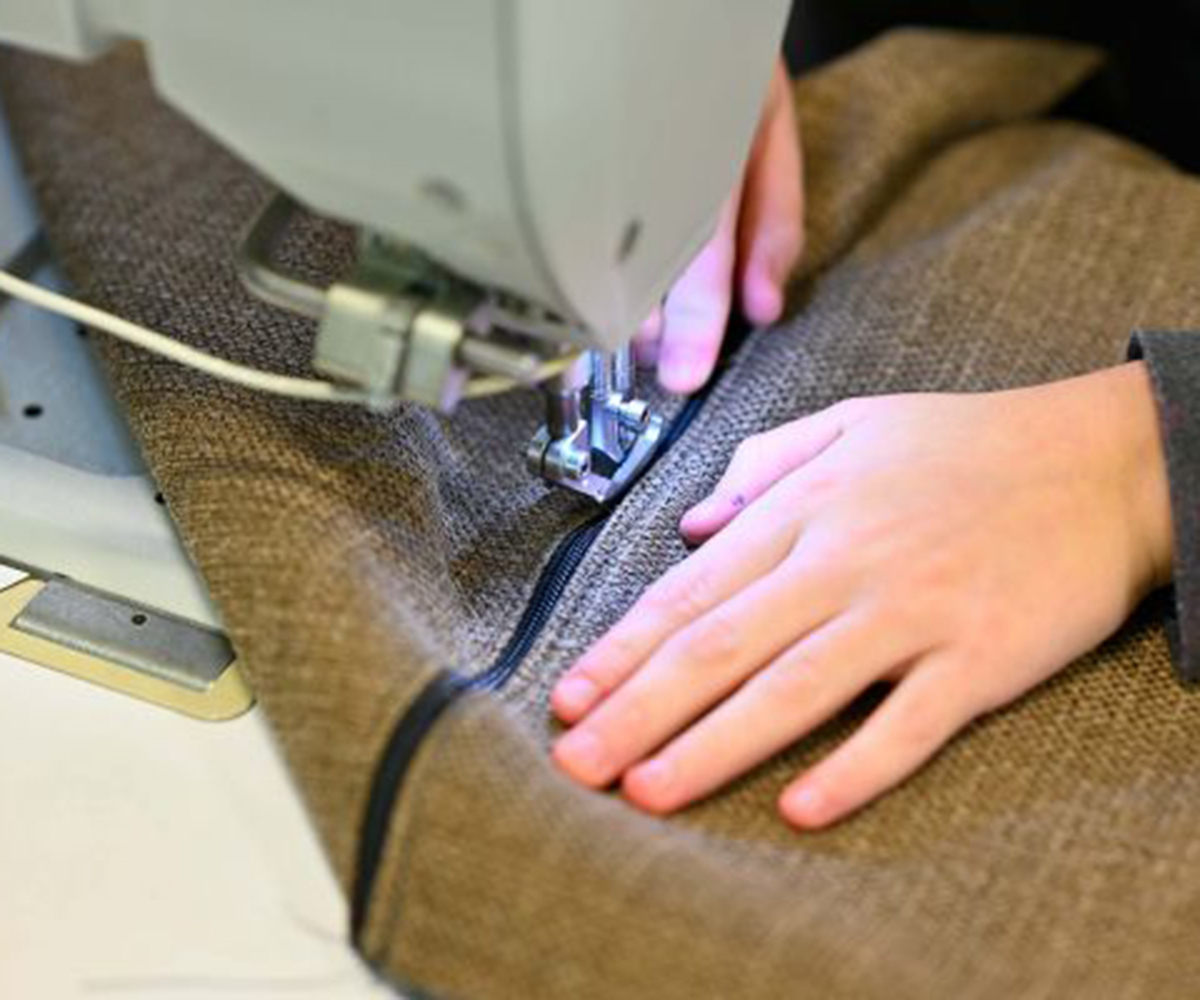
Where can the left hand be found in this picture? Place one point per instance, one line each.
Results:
(758, 240)
(963, 548)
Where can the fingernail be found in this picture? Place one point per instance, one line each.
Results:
(575, 695)
(583, 754)
(655, 773)
(679, 368)
(713, 508)
(654, 778)
(805, 804)
(764, 301)
(703, 511)
(679, 377)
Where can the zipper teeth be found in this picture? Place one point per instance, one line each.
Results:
(551, 584)
(561, 567)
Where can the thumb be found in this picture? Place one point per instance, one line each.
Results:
(771, 226)
(697, 309)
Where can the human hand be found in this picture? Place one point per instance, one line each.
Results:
(757, 243)
(962, 547)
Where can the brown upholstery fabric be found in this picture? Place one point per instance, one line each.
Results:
(957, 242)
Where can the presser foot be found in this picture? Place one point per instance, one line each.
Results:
(598, 436)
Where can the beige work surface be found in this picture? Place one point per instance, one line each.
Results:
(144, 854)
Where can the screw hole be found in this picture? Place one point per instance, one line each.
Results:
(33, 411)
(629, 240)
(139, 620)
(444, 193)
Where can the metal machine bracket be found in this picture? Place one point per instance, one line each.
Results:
(87, 543)
(123, 646)
(403, 327)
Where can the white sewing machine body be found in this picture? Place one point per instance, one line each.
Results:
(574, 154)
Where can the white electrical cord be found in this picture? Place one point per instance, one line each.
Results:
(229, 371)
(160, 344)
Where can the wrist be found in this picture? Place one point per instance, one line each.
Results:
(1143, 470)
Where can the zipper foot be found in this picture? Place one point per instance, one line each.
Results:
(598, 436)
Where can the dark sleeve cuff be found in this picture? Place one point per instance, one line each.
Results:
(1174, 363)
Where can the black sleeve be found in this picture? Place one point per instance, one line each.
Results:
(1174, 363)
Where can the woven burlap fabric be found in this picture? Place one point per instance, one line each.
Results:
(957, 242)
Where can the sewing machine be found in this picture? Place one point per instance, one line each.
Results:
(529, 177)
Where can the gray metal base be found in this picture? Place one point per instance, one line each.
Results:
(75, 497)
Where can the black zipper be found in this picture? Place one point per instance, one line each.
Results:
(445, 688)
(561, 567)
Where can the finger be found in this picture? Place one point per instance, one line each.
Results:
(921, 714)
(700, 583)
(646, 341)
(757, 464)
(803, 687)
(697, 309)
(771, 224)
(695, 669)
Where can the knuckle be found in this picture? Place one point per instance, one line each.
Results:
(908, 611)
(917, 727)
(621, 647)
(795, 683)
(702, 592)
(933, 589)
(681, 596)
(659, 601)
(664, 593)
(817, 487)
(714, 639)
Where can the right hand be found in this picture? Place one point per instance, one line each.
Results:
(962, 548)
